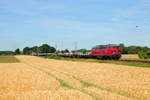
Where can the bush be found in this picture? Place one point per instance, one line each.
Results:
(148, 54)
(17, 51)
(144, 54)
(7, 53)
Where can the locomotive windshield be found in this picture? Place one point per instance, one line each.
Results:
(115, 47)
(100, 47)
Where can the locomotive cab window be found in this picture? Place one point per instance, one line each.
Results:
(103, 47)
(100, 47)
(95, 48)
(115, 47)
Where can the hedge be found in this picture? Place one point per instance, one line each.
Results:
(144, 54)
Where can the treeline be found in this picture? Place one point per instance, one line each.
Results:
(7, 53)
(143, 52)
(82, 50)
(132, 49)
(45, 48)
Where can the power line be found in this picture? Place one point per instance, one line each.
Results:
(76, 45)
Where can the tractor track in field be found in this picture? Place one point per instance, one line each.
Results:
(66, 79)
(65, 84)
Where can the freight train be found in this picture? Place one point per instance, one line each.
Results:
(105, 52)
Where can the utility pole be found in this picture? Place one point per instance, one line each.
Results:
(56, 45)
(62, 44)
(76, 46)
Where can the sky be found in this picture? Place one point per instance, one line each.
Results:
(64, 23)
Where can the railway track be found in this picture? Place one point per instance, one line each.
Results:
(87, 56)
(136, 61)
(122, 60)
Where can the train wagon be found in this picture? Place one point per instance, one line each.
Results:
(106, 52)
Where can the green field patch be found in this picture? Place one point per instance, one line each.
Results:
(8, 59)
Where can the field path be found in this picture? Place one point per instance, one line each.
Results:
(35, 78)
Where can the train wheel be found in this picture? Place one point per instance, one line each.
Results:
(104, 58)
(109, 58)
(98, 57)
(116, 57)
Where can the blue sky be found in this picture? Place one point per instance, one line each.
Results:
(64, 22)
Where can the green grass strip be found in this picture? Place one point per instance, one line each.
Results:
(8, 59)
(63, 83)
(88, 84)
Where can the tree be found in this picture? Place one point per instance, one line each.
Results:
(27, 51)
(34, 49)
(123, 48)
(121, 45)
(52, 50)
(45, 48)
(82, 50)
(65, 51)
(17, 51)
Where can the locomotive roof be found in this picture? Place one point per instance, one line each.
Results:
(108, 45)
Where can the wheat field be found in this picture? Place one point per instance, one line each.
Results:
(35, 78)
(130, 57)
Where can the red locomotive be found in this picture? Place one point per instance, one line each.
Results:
(106, 52)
